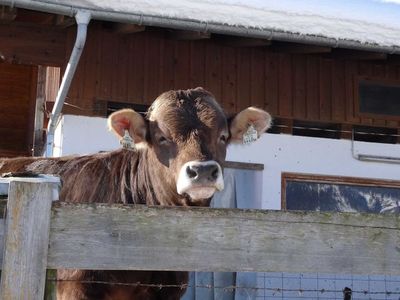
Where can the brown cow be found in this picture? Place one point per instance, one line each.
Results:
(180, 148)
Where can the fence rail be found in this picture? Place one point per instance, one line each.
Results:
(39, 235)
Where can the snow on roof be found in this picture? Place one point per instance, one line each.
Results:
(375, 22)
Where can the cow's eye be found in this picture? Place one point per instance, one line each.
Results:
(223, 138)
(162, 140)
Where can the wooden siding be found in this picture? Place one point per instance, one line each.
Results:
(32, 44)
(136, 68)
(17, 100)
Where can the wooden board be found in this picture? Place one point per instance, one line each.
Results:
(17, 105)
(142, 238)
(32, 44)
(299, 86)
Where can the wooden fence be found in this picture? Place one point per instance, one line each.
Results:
(39, 234)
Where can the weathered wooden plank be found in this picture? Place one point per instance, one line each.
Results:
(188, 35)
(271, 101)
(167, 64)
(238, 41)
(197, 63)
(299, 86)
(229, 79)
(123, 28)
(106, 46)
(213, 69)
(7, 14)
(17, 86)
(31, 44)
(38, 133)
(243, 90)
(182, 64)
(243, 166)
(151, 72)
(257, 77)
(325, 89)
(338, 91)
(285, 83)
(143, 238)
(27, 237)
(136, 77)
(350, 74)
(294, 48)
(312, 88)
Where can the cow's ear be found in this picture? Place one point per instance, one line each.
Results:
(128, 119)
(239, 124)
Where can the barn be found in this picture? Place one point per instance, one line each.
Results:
(329, 74)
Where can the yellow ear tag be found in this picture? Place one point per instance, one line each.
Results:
(127, 142)
(250, 136)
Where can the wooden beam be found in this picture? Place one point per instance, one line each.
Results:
(124, 28)
(187, 35)
(243, 166)
(116, 237)
(349, 54)
(236, 41)
(295, 48)
(35, 17)
(38, 133)
(7, 14)
(64, 21)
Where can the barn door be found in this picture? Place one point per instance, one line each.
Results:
(17, 108)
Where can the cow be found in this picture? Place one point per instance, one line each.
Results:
(176, 160)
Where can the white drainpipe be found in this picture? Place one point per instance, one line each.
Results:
(82, 19)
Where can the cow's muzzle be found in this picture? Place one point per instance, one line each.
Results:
(200, 179)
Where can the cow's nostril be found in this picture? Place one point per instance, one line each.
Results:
(191, 172)
(215, 173)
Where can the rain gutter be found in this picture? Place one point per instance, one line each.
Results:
(174, 23)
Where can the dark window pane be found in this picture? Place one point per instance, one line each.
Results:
(114, 106)
(379, 99)
(320, 196)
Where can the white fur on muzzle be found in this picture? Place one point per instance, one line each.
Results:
(200, 186)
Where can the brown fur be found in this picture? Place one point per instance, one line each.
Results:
(181, 126)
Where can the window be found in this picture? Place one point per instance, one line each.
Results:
(114, 106)
(104, 107)
(379, 97)
(344, 194)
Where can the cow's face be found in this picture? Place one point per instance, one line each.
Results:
(187, 132)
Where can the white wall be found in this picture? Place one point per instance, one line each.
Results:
(83, 135)
(278, 152)
(285, 153)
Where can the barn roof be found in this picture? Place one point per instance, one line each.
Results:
(357, 24)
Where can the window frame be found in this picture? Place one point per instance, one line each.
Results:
(331, 179)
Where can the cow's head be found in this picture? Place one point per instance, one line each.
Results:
(186, 133)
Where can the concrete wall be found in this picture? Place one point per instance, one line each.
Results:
(285, 153)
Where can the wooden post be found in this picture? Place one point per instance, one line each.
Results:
(27, 237)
